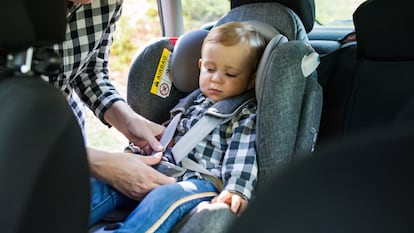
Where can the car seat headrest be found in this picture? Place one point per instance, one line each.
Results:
(272, 13)
(183, 65)
(32, 23)
(305, 9)
(184, 69)
(383, 30)
(265, 29)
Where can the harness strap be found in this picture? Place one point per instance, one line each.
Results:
(210, 120)
(195, 135)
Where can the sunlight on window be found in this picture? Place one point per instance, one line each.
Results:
(339, 13)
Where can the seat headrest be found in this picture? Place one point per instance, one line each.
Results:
(184, 70)
(305, 9)
(383, 29)
(32, 23)
(275, 14)
(183, 65)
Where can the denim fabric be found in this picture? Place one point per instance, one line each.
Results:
(163, 207)
(105, 199)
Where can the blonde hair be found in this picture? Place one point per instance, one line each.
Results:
(234, 33)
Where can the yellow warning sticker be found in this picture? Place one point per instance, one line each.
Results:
(161, 84)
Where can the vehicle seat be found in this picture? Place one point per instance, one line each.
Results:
(289, 103)
(367, 83)
(336, 73)
(301, 108)
(289, 97)
(360, 184)
(304, 9)
(43, 169)
(382, 87)
(291, 18)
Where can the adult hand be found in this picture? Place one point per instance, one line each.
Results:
(139, 130)
(236, 202)
(126, 172)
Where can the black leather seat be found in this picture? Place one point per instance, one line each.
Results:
(362, 184)
(383, 84)
(43, 168)
(369, 83)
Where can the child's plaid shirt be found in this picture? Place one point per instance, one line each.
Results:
(229, 151)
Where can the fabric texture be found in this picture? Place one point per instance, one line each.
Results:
(32, 23)
(41, 147)
(207, 217)
(235, 140)
(85, 54)
(104, 199)
(275, 14)
(141, 78)
(382, 85)
(305, 9)
(289, 108)
(360, 184)
(159, 211)
(381, 28)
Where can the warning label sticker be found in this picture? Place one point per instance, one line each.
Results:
(161, 84)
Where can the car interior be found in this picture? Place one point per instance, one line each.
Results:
(41, 143)
(334, 119)
(285, 80)
(366, 83)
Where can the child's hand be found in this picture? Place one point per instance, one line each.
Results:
(236, 202)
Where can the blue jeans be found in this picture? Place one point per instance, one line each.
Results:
(164, 206)
(159, 211)
(105, 199)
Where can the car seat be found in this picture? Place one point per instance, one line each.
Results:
(335, 74)
(184, 76)
(372, 84)
(289, 97)
(43, 168)
(360, 184)
(383, 84)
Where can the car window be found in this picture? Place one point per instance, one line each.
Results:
(335, 12)
(198, 13)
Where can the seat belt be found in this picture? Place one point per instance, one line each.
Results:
(190, 140)
(180, 150)
(210, 120)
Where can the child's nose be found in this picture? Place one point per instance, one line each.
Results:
(216, 77)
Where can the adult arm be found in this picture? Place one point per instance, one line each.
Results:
(95, 89)
(126, 172)
(136, 128)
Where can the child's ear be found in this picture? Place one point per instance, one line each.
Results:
(199, 63)
(252, 81)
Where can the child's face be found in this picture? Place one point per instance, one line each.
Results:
(225, 71)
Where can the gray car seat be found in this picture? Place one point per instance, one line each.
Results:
(289, 97)
(43, 169)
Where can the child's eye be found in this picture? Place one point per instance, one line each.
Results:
(209, 69)
(231, 75)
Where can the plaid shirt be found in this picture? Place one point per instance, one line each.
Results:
(229, 151)
(85, 53)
